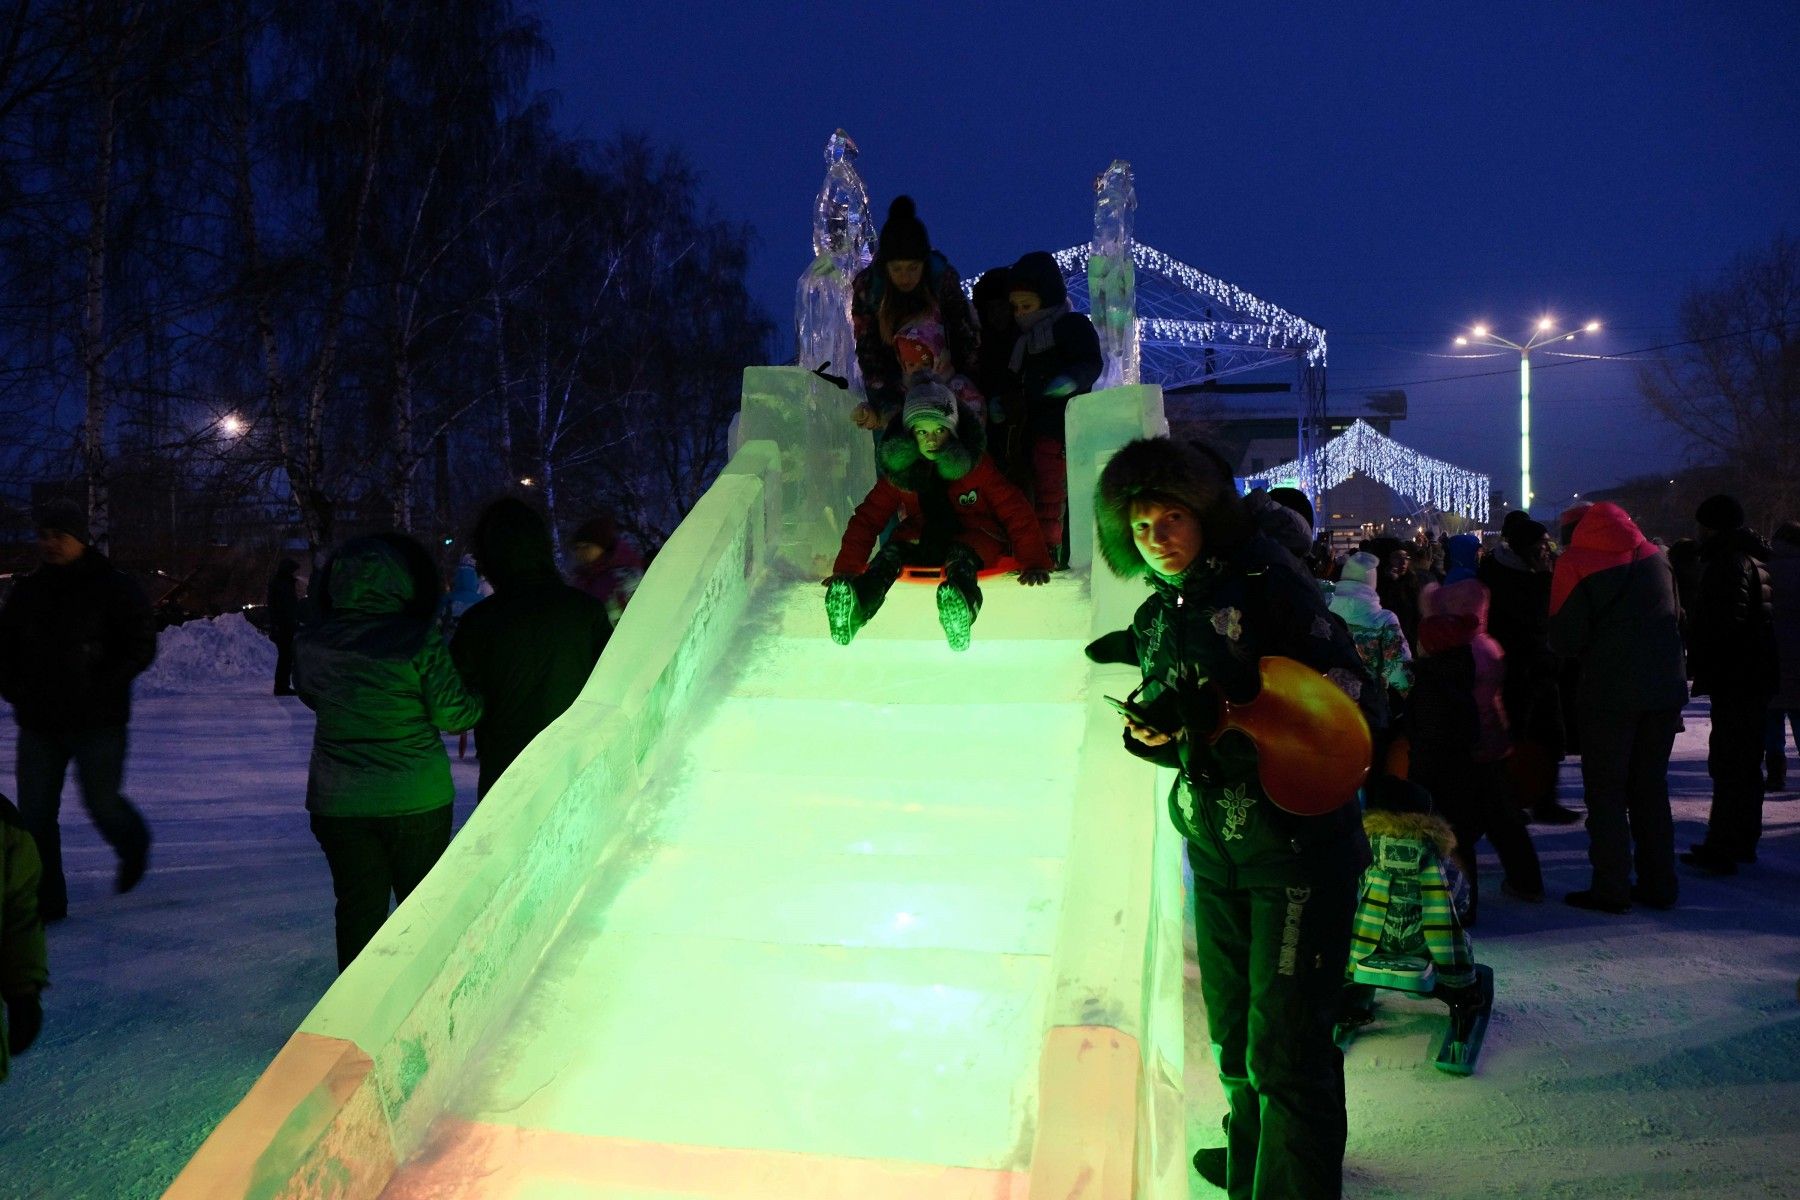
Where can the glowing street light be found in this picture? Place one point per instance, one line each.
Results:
(231, 424)
(1542, 334)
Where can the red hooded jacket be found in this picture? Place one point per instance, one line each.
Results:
(993, 517)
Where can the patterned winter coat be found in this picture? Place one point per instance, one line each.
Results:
(1244, 598)
(962, 496)
(1375, 630)
(883, 383)
(1409, 853)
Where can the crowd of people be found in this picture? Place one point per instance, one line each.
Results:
(384, 655)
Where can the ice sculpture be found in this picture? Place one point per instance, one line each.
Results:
(843, 244)
(1112, 282)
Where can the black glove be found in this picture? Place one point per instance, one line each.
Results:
(1034, 576)
(1117, 647)
(24, 1018)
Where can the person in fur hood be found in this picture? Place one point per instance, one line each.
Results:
(955, 510)
(1274, 893)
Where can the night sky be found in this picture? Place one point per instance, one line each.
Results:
(1392, 175)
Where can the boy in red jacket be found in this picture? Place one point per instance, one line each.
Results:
(955, 510)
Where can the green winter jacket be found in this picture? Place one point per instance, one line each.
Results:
(1211, 629)
(382, 684)
(24, 966)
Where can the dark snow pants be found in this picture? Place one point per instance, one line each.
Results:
(284, 661)
(1475, 799)
(1734, 759)
(371, 858)
(1271, 971)
(1625, 784)
(42, 763)
(961, 565)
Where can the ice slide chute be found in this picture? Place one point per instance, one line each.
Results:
(762, 916)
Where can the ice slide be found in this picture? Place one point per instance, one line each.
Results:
(762, 916)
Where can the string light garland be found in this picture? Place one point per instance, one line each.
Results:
(1429, 482)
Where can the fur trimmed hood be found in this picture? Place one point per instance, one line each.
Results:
(1414, 826)
(900, 463)
(1180, 471)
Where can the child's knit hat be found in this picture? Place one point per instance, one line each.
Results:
(929, 403)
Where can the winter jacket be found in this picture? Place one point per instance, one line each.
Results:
(1244, 599)
(1784, 583)
(962, 496)
(1612, 608)
(883, 384)
(24, 964)
(383, 685)
(1453, 626)
(71, 641)
(529, 648)
(1519, 619)
(612, 580)
(1070, 364)
(1731, 632)
(284, 600)
(1374, 629)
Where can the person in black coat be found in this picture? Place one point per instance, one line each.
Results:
(284, 622)
(1731, 637)
(1517, 575)
(1056, 357)
(529, 648)
(73, 635)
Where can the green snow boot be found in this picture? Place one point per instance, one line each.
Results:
(956, 614)
(843, 610)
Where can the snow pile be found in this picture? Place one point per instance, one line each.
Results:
(214, 654)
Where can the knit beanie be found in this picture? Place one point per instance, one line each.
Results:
(929, 403)
(1513, 521)
(1295, 499)
(601, 531)
(64, 516)
(1361, 567)
(1038, 274)
(903, 235)
(1720, 513)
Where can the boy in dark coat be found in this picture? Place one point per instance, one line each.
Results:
(1731, 638)
(73, 635)
(377, 674)
(1274, 892)
(955, 510)
(528, 649)
(24, 966)
(1056, 356)
(1612, 608)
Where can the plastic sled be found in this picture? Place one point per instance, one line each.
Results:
(935, 575)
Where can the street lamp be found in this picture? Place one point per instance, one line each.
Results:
(1543, 333)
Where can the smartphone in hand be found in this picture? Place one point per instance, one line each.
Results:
(1132, 713)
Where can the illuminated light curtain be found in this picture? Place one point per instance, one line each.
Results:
(1429, 482)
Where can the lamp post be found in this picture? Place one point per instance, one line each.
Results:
(1542, 334)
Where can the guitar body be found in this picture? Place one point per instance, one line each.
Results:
(1312, 743)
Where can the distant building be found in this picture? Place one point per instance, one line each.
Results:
(1257, 425)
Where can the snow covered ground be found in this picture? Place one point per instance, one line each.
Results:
(1652, 1055)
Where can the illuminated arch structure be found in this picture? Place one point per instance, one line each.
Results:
(1429, 483)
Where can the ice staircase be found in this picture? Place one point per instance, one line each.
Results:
(764, 916)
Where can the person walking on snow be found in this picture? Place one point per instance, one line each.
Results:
(376, 671)
(529, 648)
(73, 635)
(955, 510)
(1612, 609)
(1734, 659)
(1784, 709)
(1274, 892)
(284, 622)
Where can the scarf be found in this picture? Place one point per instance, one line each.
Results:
(1038, 333)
